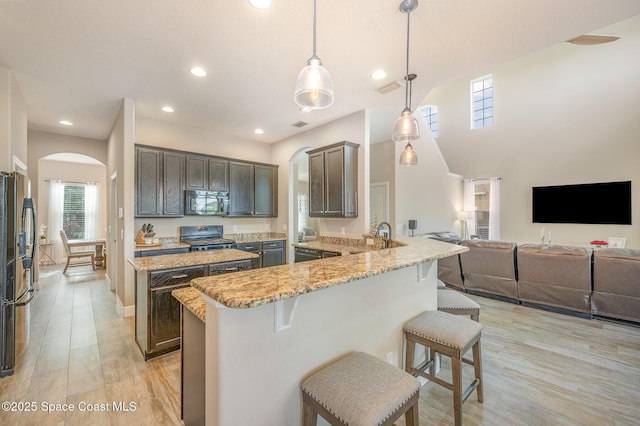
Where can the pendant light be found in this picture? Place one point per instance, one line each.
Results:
(314, 87)
(406, 127)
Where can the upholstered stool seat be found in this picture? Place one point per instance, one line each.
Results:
(452, 336)
(458, 304)
(360, 390)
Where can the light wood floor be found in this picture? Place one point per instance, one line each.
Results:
(540, 368)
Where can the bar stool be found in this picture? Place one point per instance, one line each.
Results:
(360, 390)
(458, 304)
(452, 336)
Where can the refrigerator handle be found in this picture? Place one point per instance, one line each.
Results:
(18, 302)
(27, 261)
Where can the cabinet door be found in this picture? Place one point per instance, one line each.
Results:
(334, 182)
(218, 174)
(241, 189)
(197, 172)
(266, 190)
(173, 186)
(148, 182)
(273, 253)
(316, 184)
(164, 327)
(256, 263)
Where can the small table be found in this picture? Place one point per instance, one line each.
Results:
(98, 242)
(44, 251)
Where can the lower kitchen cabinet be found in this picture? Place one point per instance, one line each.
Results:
(304, 254)
(272, 253)
(157, 323)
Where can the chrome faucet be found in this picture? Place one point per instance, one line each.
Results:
(380, 225)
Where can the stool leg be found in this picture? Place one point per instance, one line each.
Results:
(410, 348)
(309, 416)
(456, 375)
(477, 366)
(411, 416)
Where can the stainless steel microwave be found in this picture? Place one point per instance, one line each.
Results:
(206, 203)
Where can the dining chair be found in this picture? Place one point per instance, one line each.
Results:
(77, 254)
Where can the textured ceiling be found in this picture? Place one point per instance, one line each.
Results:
(76, 59)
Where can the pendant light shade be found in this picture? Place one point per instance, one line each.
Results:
(406, 127)
(408, 156)
(314, 87)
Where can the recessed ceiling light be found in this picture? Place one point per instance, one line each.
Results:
(305, 109)
(167, 109)
(378, 75)
(198, 72)
(65, 123)
(258, 131)
(260, 4)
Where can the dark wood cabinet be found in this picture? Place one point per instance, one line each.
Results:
(333, 180)
(266, 190)
(197, 172)
(162, 175)
(148, 182)
(173, 184)
(207, 173)
(241, 189)
(159, 183)
(272, 253)
(218, 174)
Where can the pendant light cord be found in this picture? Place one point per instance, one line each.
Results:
(314, 29)
(406, 76)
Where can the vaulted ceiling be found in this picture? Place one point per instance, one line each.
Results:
(75, 60)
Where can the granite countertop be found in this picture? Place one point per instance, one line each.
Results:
(257, 287)
(164, 246)
(167, 261)
(343, 249)
(190, 298)
(256, 237)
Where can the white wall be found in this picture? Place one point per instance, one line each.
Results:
(382, 165)
(13, 122)
(565, 115)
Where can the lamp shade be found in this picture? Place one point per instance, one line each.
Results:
(464, 215)
(406, 127)
(408, 156)
(314, 87)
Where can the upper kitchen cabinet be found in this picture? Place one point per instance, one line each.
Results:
(333, 180)
(266, 190)
(253, 189)
(206, 173)
(159, 182)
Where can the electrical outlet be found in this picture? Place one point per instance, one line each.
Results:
(370, 241)
(342, 230)
(389, 358)
(235, 228)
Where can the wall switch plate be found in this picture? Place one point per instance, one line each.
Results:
(235, 228)
(342, 230)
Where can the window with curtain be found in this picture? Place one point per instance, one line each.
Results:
(74, 208)
(482, 199)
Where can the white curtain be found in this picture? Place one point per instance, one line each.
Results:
(494, 208)
(470, 204)
(92, 222)
(56, 208)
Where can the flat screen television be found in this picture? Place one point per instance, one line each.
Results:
(594, 203)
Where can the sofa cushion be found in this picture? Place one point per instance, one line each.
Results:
(489, 267)
(616, 283)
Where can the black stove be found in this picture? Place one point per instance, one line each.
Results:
(205, 237)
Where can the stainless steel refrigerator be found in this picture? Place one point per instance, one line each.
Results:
(17, 248)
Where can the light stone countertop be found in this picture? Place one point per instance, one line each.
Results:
(257, 287)
(168, 261)
(164, 246)
(256, 237)
(191, 299)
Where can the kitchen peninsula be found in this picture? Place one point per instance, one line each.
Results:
(268, 329)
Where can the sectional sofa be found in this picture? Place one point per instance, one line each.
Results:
(580, 281)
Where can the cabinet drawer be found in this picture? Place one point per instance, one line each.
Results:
(249, 246)
(273, 244)
(176, 276)
(229, 267)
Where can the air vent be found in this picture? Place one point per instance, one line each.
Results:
(388, 88)
(300, 124)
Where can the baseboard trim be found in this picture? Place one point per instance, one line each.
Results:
(125, 311)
